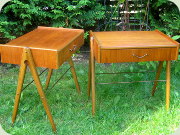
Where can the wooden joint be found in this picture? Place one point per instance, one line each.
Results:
(25, 61)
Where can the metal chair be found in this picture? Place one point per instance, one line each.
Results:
(122, 16)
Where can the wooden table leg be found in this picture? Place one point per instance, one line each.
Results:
(48, 78)
(157, 76)
(28, 59)
(93, 86)
(89, 77)
(22, 71)
(93, 77)
(39, 88)
(168, 75)
(74, 75)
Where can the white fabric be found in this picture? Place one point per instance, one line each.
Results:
(2, 3)
(2, 132)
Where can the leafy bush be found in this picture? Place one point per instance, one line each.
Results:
(165, 16)
(21, 16)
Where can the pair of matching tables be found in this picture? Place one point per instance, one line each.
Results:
(50, 47)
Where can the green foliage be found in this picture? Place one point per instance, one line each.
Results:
(165, 16)
(121, 109)
(4, 27)
(177, 66)
(149, 65)
(21, 16)
(176, 37)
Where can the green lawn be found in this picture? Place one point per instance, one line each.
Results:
(122, 109)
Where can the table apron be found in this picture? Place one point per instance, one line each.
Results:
(136, 55)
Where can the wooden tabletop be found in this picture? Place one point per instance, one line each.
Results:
(50, 47)
(47, 38)
(133, 39)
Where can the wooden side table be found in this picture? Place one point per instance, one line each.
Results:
(131, 46)
(43, 47)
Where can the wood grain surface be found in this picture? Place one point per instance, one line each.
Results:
(50, 47)
(48, 38)
(137, 55)
(133, 46)
(133, 39)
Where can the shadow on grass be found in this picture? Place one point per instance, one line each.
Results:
(121, 108)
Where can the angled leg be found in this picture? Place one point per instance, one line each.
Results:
(39, 87)
(93, 85)
(74, 75)
(48, 78)
(157, 76)
(168, 75)
(89, 77)
(22, 71)
(93, 77)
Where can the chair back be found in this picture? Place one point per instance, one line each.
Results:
(125, 15)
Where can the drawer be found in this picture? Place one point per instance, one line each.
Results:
(42, 58)
(137, 55)
(69, 50)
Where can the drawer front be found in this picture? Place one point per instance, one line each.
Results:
(138, 55)
(70, 49)
(42, 58)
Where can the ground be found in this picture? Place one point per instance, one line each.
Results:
(122, 109)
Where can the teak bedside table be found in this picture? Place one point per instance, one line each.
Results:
(43, 47)
(131, 46)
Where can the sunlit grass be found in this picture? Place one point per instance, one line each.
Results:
(127, 109)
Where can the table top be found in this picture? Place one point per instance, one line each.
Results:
(50, 47)
(47, 38)
(133, 39)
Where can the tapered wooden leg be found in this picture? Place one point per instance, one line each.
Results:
(168, 75)
(39, 88)
(48, 78)
(19, 87)
(93, 77)
(74, 75)
(93, 85)
(157, 76)
(89, 77)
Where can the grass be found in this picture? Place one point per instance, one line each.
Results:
(122, 109)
